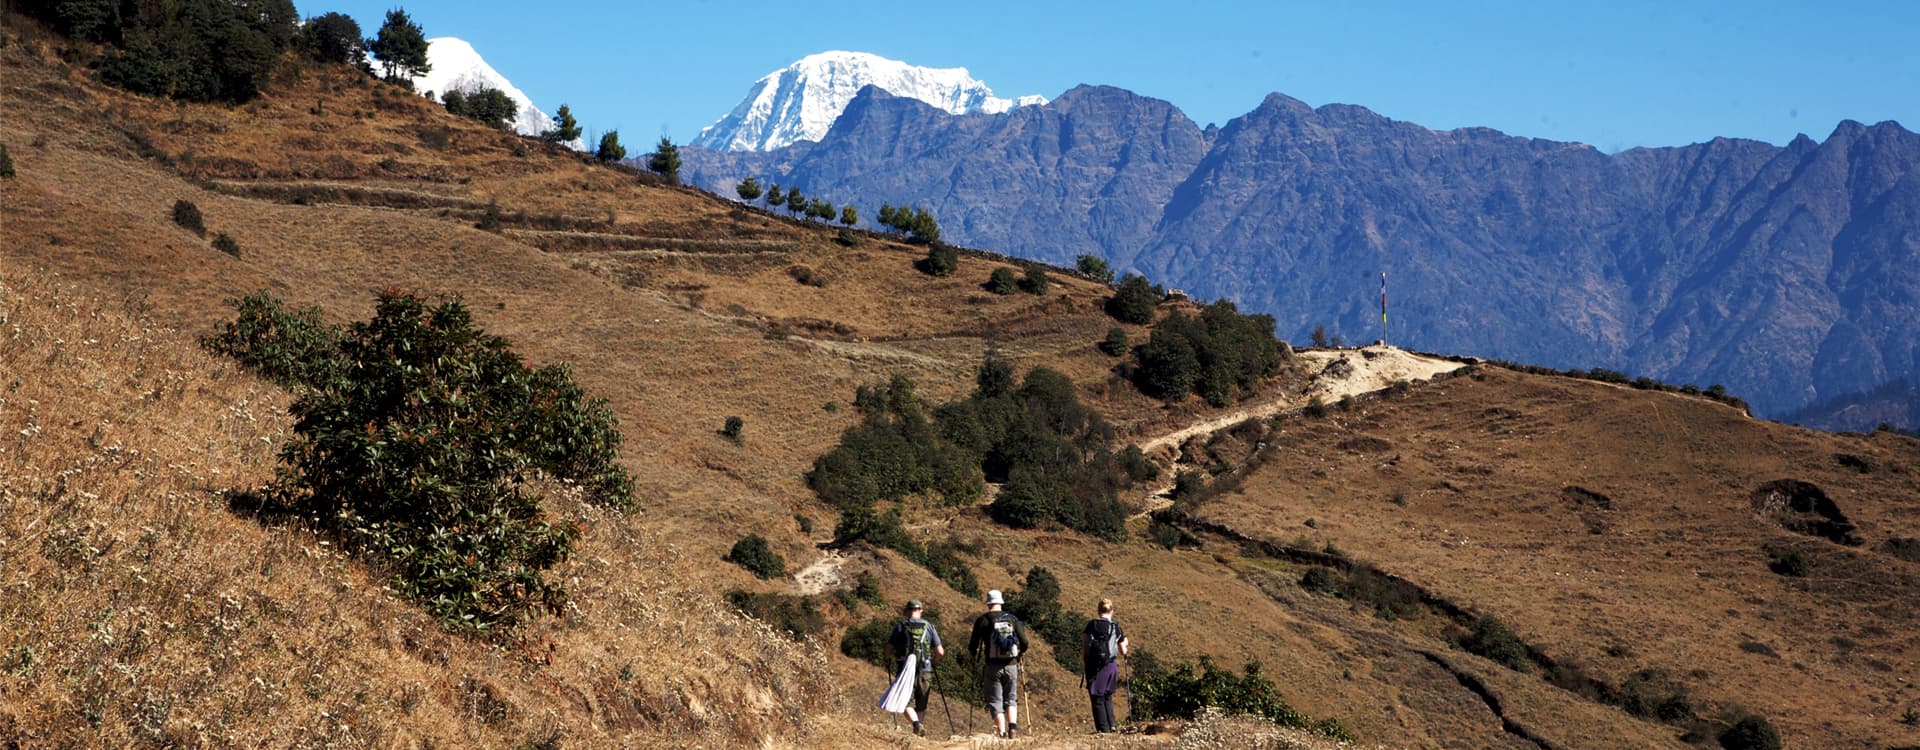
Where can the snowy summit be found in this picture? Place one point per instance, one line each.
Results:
(800, 102)
(456, 66)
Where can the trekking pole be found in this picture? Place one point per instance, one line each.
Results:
(951, 729)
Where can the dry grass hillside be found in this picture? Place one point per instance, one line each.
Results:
(140, 611)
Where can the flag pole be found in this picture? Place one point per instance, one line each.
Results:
(1383, 306)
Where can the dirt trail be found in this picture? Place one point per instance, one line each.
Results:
(1334, 374)
(821, 575)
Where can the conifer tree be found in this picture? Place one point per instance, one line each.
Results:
(610, 148)
(401, 47)
(775, 197)
(665, 160)
(565, 128)
(849, 216)
(749, 189)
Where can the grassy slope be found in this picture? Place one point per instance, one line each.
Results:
(681, 310)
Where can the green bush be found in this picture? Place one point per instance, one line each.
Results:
(941, 260)
(1135, 300)
(1115, 344)
(752, 553)
(732, 427)
(1095, 267)
(488, 105)
(1322, 580)
(6, 162)
(868, 642)
(1792, 564)
(292, 348)
(1653, 694)
(1034, 281)
(226, 244)
(188, 216)
(1135, 464)
(1750, 733)
(1221, 354)
(1492, 639)
(199, 50)
(416, 450)
(1001, 281)
(1181, 692)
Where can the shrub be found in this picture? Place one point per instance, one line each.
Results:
(610, 148)
(1492, 639)
(1791, 564)
(1166, 535)
(1135, 300)
(417, 448)
(6, 162)
(1095, 267)
(1187, 484)
(731, 428)
(867, 589)
(665, 160)
(226, 244)
(1034, 281)
(490, 220)
(868, 642)
(1135, 464)
(199, 51)
(1651, 693)
(797, 616)
(1038, 605)
(1322, 580)
(486, 104)
(188, 216)
(1001, 281)
(1115, 344)
(941, 261)
(1750, 733)
(292, 348)
(1221, 354)
(1182, 691)
(846, 237)
(752, 553)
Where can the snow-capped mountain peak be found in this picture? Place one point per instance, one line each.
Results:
(457, 66)
(800, 102)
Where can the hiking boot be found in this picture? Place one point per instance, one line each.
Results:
(1012, 730)
(919, 730)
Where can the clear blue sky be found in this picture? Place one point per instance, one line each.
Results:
(1616, 75)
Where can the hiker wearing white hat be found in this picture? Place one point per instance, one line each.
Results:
(1000, 638)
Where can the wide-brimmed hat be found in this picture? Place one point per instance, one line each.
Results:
(993, 597)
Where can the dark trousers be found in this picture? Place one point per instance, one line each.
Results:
(1102, 712)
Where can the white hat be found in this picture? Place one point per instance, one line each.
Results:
(993, 597)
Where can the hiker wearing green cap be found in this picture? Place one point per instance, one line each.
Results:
(916, 638)
(1000, 638)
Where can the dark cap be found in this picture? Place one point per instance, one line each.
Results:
(913, 604)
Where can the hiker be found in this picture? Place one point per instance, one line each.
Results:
(1000, 638)
(1101, 646)
(916, 638)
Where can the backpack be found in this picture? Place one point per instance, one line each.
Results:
(1005, 641)
(1103, 643)
(916, 632)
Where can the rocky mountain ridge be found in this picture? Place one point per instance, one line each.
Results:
(1785, 273)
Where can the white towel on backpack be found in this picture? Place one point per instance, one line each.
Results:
(900, 693)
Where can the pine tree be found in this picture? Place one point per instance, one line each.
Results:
(565, 128)
(665, 160)
(610, 148)
(401, 47)
(334, 38)
(796, 202)
(775, 197)
(749, 190)
(489, 105)
(820, 209)
(849, 216)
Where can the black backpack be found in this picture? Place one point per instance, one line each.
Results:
(1004, 642)
(1103, 643)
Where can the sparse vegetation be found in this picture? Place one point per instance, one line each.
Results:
(1035, 280)
(1791, 564)
(1181, 692)
(1750, 733)
(796, 616)
(917, 223)
(1115, 344)
(732, 427)
(6, 162)
(752, 553)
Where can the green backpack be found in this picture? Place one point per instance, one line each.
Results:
(918, 642)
